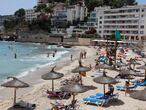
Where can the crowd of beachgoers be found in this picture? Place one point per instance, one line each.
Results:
(91, 80)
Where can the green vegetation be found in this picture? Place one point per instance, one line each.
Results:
(96, 3)
(89, 36)
(12, 24)
(43, 23)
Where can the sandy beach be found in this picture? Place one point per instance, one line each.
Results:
(36, 93)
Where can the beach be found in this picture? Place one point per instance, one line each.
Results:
(36, 93)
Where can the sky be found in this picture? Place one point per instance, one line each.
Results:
(8, 7)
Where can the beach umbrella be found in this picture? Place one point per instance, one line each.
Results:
(103, 66)
(143, 67)
(133, 62)
(127, 72)
(120, 64)
(139, 94)
(52, 75)
(15, 83)
(104, 79)
(74, 88)
(81, 70)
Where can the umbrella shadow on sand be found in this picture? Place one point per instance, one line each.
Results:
(114, 102)
(91, 87)
(12, 108)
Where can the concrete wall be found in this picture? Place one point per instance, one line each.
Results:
(70, 40)
(39, 39)
(85, 41)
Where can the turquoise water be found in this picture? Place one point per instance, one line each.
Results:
(28, 57)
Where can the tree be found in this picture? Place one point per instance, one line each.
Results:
(91, 4)
(20, 14)
(10, 24)
(40, 7)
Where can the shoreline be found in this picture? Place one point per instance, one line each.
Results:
(34, 77)
(36, 94)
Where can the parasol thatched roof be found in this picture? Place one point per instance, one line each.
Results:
(15, 83)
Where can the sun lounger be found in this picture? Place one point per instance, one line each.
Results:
(22, 104)
(94, 101)
(119, 87)
(100, 99)
(140, 83)
(58, 94)
(123, 88)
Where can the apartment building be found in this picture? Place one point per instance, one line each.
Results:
(63, 13)
(129, 20)
(30, 14)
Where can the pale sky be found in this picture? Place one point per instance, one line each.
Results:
(8, 7)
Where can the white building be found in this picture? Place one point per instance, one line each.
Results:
(30, 14)
(129, 20)
(63, 14)
(76, 12)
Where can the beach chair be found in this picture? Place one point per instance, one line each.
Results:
(123, 88)
(120, 87)
(58, 94)
(98, 95)
(98, 102)
(140, 83)
(23, 104)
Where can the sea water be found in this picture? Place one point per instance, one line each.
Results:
(17, 59)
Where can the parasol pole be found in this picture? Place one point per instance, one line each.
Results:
(104, 88)
(52, 85)
(145, 74)
(80, 73)
(14, 97)
(73, 100)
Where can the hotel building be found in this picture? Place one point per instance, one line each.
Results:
(63, 14)
(129, 20)
(30, 14)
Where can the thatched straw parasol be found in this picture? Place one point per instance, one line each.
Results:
(103, 66)
(52, 75)
(133, 62)
(139, 94)
(15, 83)
(74, 88)
(143, 67)
(81, 69)
(104, 79)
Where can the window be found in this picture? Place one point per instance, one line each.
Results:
(142, 26)
(100, 22)
(101, 17)
(142, 15)
(141, 32)
(137, 10)
(100, 26)
(142, 10)
(99, 31)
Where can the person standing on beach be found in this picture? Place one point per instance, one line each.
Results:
(84, 54)
(81, 55)
(48, 55)
(71, 56)
(53, 54)
(127, 84)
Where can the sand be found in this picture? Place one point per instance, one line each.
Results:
(37, 92)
